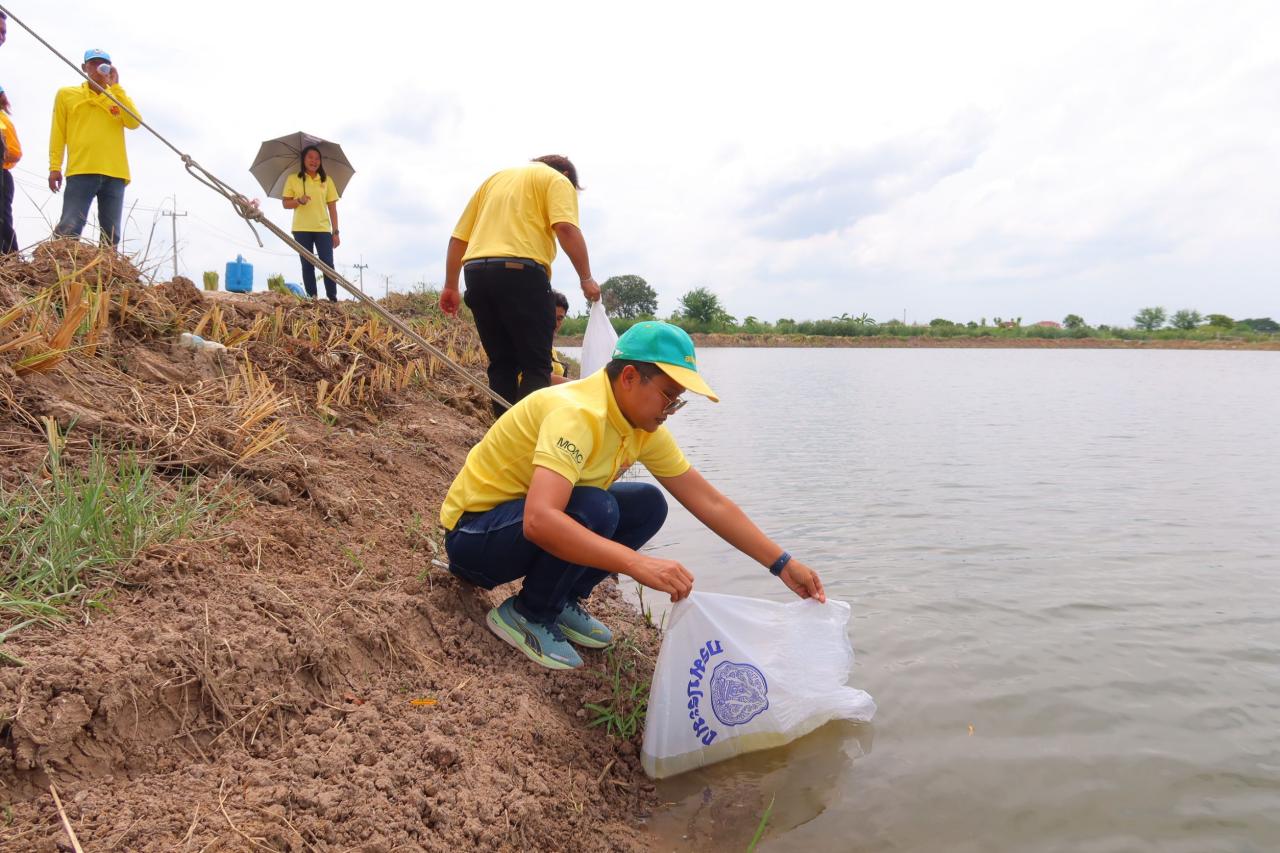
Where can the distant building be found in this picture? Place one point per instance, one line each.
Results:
(1049, 324)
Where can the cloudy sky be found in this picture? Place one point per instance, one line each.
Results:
(800, 159)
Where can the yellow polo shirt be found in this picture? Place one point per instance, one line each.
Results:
(576, 430)
(13, 148)
(314, 215)
(511, 215)
(89, 128)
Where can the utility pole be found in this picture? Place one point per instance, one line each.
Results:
(361, 267)
(173, 215)
(386, 284)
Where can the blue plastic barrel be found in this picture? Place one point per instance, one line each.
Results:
(239, 275)
(295, 289)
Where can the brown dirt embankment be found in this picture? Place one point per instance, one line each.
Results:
(299, 676)
(927, 342)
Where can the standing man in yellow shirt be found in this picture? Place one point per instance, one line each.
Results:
(505, 242)
(538, 499)
(88, 128)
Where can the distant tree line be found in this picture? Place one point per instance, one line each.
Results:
(629, 299)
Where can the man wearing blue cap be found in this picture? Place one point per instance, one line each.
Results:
(538, 499)
(88, 127)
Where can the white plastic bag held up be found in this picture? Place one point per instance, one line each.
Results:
(740, 674)
(597, 343)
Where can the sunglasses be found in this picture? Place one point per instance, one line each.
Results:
(674, 404)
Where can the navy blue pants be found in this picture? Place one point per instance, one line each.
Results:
(489, 548)
(320, 244)
(8, 239)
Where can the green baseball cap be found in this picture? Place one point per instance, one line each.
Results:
(669, 348)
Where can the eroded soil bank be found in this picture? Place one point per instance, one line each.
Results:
(299, 676)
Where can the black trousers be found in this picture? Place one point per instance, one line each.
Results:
(8, 239)
(516, 320)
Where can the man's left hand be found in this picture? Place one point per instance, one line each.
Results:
(590, 289)
(803, 581)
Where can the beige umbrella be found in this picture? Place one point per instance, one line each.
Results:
(279, 158)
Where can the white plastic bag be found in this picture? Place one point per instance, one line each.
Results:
(597, 343)
(736, 675)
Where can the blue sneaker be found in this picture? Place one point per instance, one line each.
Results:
(544, 644)
(583, 628)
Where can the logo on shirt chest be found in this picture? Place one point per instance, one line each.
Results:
(570, 448)
(115, 111)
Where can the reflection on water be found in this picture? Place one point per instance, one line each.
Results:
(720, 807)
(1065, 581)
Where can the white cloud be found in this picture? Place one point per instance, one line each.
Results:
(800, 159)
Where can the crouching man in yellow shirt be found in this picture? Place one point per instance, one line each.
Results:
(537, 498)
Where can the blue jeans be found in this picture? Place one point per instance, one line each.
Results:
(78, 193)
(320, 244)
(489, 548)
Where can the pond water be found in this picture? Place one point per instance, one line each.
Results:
(1065, 579)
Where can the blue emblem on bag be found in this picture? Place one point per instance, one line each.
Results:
(739, 693)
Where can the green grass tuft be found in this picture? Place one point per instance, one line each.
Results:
(63, 537)
(628, 702)
(764, 821)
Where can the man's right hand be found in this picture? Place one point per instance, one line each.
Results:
(663, 575)
(450, 299)
(55, 180)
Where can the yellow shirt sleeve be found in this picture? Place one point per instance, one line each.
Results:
(58, 133)
(562, 201)
(467, 221)
(564, 443)
(662, 456)
(292, 187)
(331, 191)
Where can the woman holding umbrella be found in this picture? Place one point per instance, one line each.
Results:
(313, 198)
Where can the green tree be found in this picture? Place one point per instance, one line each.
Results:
(1220, 321)
(629, 296)
(1073, 321)
(1150, 319)
(1186, 319)
(864, 319)
(702, 307)
(939, 321)
(1261, 324)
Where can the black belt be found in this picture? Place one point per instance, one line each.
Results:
(524, 262)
